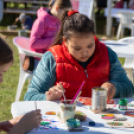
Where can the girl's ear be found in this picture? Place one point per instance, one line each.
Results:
(57, 8)
(65, 41)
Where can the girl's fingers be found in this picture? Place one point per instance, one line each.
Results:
(59, 90)
(53, 91)
(110, 94)
(48, 92)
(60, 86)
(56, 90)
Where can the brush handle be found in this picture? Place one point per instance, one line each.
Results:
(78, 96)
(63, 94)
(35, 104)
(77, 92)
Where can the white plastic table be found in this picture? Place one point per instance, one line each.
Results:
(114, 12)
(19, 108)
(122, 50)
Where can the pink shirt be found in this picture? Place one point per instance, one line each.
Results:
(43, 31)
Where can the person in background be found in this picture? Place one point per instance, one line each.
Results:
(47, 25)
(23, 123)
(131, 4)
(77, 56)
(119, 4)
(100, 5)
(25, 20)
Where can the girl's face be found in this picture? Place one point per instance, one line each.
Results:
(3, 69)
(81, 47)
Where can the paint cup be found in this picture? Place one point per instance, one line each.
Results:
(67, 110)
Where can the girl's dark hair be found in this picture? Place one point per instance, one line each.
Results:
(75, 24)
(60, 3)
(6, 54)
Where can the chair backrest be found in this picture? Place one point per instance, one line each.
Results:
(127, 40)
(84, 6)
(129, 62)
(126, 17)
(129, 72)
(23, 45)
(1, 10)
(22, 42)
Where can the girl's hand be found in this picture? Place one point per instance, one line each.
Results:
(7, 125)
(28, 122)
(15, 120)
(110, 90)
(55, 93)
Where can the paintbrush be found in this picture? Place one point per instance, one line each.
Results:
(64, 95)
(35, 105)
(78, 96)
(77, 92)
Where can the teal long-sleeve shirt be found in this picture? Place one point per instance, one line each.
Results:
(45, 76)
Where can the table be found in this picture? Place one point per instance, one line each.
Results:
(114, 12)
(19, 108)
(121, 49)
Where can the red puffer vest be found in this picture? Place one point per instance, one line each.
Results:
(71, 74)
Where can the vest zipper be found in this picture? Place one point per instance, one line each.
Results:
(86, 73)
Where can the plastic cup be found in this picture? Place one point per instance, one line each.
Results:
(67, 110)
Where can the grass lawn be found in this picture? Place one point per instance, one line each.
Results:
(9, 86)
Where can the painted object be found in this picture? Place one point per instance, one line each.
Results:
(50, 113)
(80, 115)
(107, 116)
(115, 123)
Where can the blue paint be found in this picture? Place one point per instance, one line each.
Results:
(54, 121)
(91, 123)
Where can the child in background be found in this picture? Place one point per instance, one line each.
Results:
(119, 4)
(47, 25)
(25, 20)
(20, 124)
(131, 4)
(77, 56)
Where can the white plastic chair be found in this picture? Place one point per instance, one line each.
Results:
(129, 62)
(23, 46)
(125, 22)
(129, 72)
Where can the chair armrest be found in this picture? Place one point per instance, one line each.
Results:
(33, 54)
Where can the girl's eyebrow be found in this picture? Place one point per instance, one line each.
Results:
(76, 46)
(91, 44)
